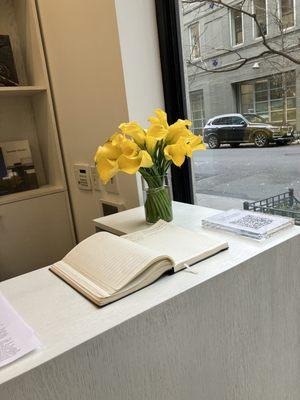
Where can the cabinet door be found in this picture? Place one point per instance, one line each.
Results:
(34, 233)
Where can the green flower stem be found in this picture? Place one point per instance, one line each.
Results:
(158, 204)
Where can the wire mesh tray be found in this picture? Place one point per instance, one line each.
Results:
(285, 204)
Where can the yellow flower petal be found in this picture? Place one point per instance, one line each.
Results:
(107, 169)
(159, 119)
(129, 148)
(176, 153)
(146, 159)
(134, 130)
(177, 130)
(117, 138)
(151, 144)
(131, 165)
(157, 131)
(194, 143)
(162, 116)
(107, 151)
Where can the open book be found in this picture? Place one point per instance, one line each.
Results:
(106, 267)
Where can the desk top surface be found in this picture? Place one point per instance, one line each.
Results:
(63, 319)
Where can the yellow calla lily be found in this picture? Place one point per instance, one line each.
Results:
(135, 148)
(107, 169)
(134, 130)
(151, 144)
(117, 138)
(160, 119)
(129, 148)
(176, 152)
(194, 143)
(107, 151)
(147, 161)
(131, 165)
(157, 131)
(178, 130)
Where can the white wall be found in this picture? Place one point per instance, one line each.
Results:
(141, 60)
(140, 57)
(92, 95)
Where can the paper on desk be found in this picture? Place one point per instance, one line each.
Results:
(16, 337)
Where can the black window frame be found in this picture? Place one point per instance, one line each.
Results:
(169, 34)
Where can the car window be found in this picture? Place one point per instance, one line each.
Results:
(255, 118)
(237, 121)
(222, 121)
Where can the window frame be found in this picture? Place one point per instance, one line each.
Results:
(294, 11)
(173, 79)
(231, 27)
(199, 92)
(269, 99)
(254, 26)
(194, 59)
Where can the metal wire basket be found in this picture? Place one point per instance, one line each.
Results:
(284, 204)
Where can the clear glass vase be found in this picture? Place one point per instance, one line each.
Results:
(158, 201)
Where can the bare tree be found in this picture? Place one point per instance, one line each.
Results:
(276, 46)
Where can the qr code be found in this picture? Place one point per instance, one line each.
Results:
(252, 221)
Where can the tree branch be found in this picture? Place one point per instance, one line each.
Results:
(283, 52)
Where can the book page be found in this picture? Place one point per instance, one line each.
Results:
(183, 245)
(16, 337)
(109, 261)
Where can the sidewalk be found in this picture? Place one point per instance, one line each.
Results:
(218, 202)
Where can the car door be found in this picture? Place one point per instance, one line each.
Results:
(214, 129)
(226, 129)
(239, 130)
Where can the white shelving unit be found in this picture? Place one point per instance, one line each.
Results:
(26, 112)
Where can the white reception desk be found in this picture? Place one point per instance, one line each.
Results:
(231, 331)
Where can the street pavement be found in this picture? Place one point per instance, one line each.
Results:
(247, 173)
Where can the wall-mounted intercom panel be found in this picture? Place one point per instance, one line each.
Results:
(82, 176)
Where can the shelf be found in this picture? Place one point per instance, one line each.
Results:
(30, 194)
(21, 90)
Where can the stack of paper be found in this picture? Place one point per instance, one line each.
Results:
(16, 337)
(251, 224)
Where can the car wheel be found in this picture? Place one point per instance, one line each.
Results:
(213, 142)
(234, 145)
(261, 139)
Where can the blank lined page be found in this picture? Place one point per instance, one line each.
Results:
(183, 245)
(109, 261)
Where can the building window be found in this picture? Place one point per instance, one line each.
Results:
(195, 41)
(260, 9)
(237, 27)
(287, 13)
(197, 111)
(273, 98)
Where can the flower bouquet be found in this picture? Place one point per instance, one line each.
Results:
(151, 152)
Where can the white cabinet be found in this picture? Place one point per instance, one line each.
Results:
(36, 226)
(34, 233)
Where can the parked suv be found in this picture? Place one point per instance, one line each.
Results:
(234, 129)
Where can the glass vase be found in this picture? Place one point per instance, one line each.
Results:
(158, 201)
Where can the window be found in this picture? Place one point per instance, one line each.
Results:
(273, 98)
(237, 27)
(197, 111)
(195, 41)
(261, 90)
(237, 121)
(260, 9)
(287, 13)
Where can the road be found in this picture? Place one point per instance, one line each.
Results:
(247, 172)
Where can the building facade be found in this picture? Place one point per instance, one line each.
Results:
(217, 39)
